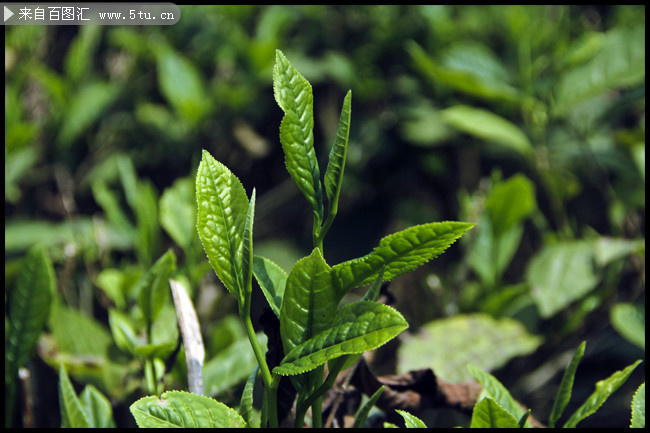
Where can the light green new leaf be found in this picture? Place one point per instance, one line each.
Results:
(72, 412)
(180, 409)
(566, 386)
(629, 321)
(638, 408)
(399, 253)
(293, 94)
(336, 165)
(272, 280)
(362, 413)
(29, 309)
(488, 126)
(247, 255)
(153, 291)
(222, 208)
(97, 408)
(488, 413)
(560, 274)
(123, 332)
(356, 328)
(604, 388)
(309, 301)
(411, 421)
(495, 389)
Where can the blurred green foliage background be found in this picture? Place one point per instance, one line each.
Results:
(529, 120)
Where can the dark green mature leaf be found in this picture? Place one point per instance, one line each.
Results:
(336, 165)
(180, 409)
(362, 413)
(222, 208)
(489, 414)
(566, 386)
(604, 388)
(358, 327)
(153, 291)
(638, 408)
(309, 301)
(272, 280)
(560, 274)
(411, 421)
(97, 408)
(29, 309)
(495, 389)
(399, 253)
(72, 412)
(294, 96)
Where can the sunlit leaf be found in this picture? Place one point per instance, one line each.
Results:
(468, 339)
(604, 388)
(334, 174)
(411, 421)
(398, 253)
(180, 409)
(629, 321)
(638, 408)
(488, 413)
(358, 327)
(294, 95)
(72, 412)
(272, 280)
(222, 207)
(97, 408)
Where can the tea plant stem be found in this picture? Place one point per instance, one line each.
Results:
(317, 406)
(270, 385)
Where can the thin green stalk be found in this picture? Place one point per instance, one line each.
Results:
(317, 406)
(269, 384)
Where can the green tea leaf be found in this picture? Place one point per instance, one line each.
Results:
(72, 412)
(619, 63)
(78, 334)
(123, 332)
(309, 301)
(362, 413)
(494, 389)
(411, 421)
(231, 366)
(488, 413)
(356, 328)
(178, 212)
(147, 230)
(336, 165)
(604, 388)
(399, 253)
(638, 408)
(247, 253)
(468, 339)
(29, 309)
(153, 290)
(293, 94)
(222, 208)
(180, 409)
(560, 274)
(97, 408)
(272, 280)
(488, 126)
(609, 249)
(246, 403)
(566, 386)
(629, 321)
(181, 84)
(509, 202)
